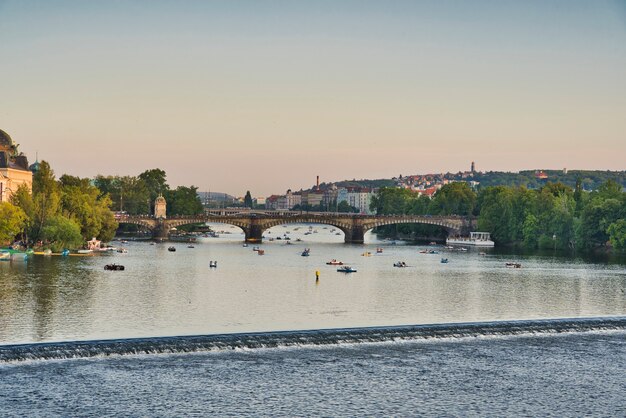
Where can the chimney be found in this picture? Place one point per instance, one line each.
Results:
(318, 183)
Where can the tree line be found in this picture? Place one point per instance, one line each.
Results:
(64, 213)
(553, 216)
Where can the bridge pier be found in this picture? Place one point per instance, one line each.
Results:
(161, 231)
(355, 235)
(254, 233)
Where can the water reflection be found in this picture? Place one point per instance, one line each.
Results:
(164, 293)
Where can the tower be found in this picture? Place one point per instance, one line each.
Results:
(473, 170)
(160, 207)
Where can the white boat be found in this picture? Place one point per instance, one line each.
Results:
(84, 251)
(478, 239)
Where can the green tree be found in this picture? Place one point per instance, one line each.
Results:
(61, 232)
(46, 197)
(23, 199)
(155, 183)
(82, 202)
(12, 221)
(344, 207)
(617, 234)
(184, 201)
(456, 198)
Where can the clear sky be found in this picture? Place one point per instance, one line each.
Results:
(265, 95)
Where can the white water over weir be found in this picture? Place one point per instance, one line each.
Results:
(222, 342)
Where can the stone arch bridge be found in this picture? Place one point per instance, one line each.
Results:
(254, 223)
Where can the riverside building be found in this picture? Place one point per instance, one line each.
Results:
(14, 170)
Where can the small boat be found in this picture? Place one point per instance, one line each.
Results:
(432, 243)
(172, 249)
(65, 253)
(278, 238)
(306, 252)
(261, 252)
(84, 251)
(122, 250)
(512, 265)
(298, 240)
(444, 260)
(19, 256)
(245, 245)
(190, 246)
(400, 264)
(5, 256)
(334, 262)
(433, 252)
(255, 248)
(481, 253)
(379, 250)
(423, 251)
(337, 233)
(366, 254)
(346, 269)
(213, 264)
(462, 249)
(114, 267)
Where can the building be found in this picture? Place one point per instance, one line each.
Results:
(14, 170)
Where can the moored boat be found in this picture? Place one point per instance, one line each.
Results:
(477, 239)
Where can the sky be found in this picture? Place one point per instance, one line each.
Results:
(264, 96)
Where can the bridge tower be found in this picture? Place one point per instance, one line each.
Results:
(160, 208)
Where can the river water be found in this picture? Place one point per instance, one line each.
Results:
(194, 340)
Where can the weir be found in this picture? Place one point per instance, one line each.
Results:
(310, 338)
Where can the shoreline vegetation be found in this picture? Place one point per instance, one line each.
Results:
(554, 216)
(67, 212)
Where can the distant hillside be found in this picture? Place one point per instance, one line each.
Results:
(361, 183)
(591, 179)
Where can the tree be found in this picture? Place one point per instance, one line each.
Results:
(46, 198)
(344, 207)
(24, 200)
(617, 234)
(12, 221)
(184, 201)
(81, 202)
(456, 198)
(62, 233)
(247, 200)
(155, 184)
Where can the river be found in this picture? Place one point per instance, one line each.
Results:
(58, 316)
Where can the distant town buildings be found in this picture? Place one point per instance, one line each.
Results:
(14, 169)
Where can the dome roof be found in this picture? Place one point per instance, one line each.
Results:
(34, 167)
(5, 140)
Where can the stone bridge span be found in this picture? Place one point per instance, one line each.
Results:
(254, 223)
